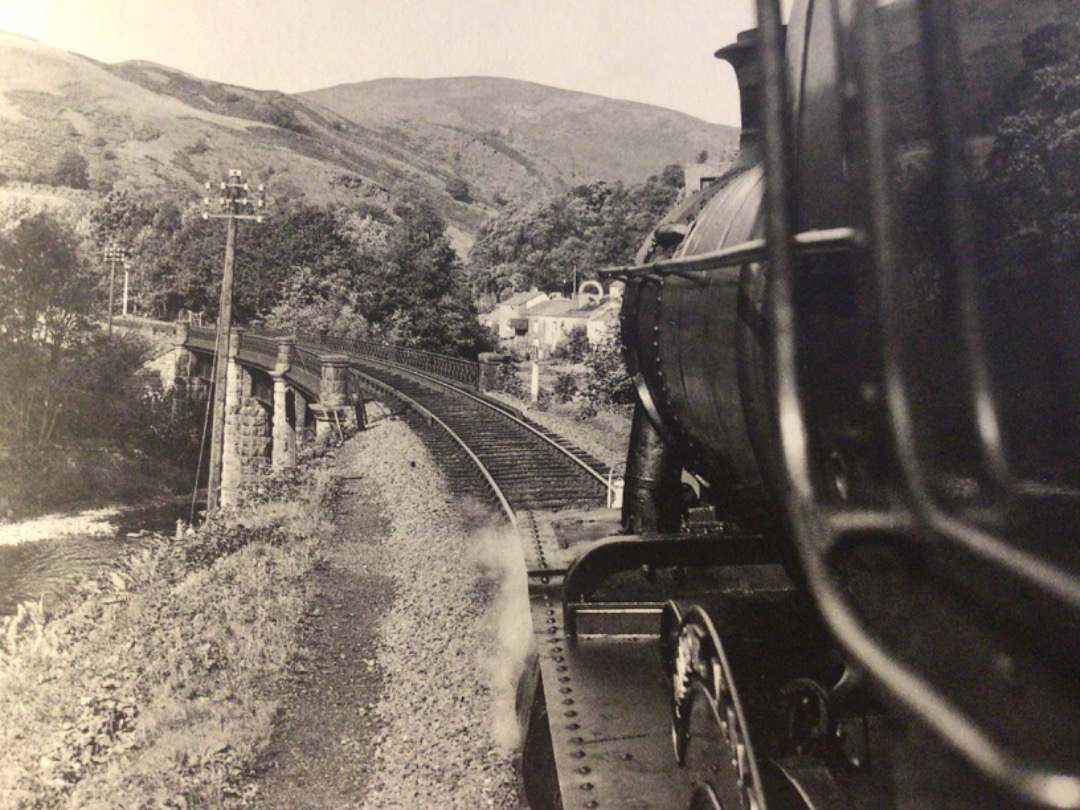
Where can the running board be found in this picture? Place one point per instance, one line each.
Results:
(637, 619)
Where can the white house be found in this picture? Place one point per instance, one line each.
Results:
(507, 318)
(551, 323)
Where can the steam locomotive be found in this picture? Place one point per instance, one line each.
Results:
(860, 349)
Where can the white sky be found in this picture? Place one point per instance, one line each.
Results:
(654, 51)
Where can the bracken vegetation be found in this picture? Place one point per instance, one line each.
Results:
(151, 687)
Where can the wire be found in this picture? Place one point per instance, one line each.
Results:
(206, 423)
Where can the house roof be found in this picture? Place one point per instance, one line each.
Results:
(518, 299)
(559, 308)
(598, 310)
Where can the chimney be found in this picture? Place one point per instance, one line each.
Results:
(744, 55)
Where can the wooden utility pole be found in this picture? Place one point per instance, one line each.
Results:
(233, 204)
(113, 254)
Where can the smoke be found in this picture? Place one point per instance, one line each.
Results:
(510, 636)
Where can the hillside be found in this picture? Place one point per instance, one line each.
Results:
(152, 129)
(536, 135)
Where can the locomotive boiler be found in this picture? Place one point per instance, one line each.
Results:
(861, 349)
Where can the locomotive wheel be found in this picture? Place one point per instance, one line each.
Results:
(539, 775)
(708, 714)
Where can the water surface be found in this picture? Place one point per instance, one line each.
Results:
(44, 557)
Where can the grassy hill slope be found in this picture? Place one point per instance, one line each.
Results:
(150, 128)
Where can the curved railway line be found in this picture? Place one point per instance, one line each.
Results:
(487, 449)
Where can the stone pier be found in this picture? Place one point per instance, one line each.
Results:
(284, 433)
(182, 360)
(332, 412)
(247, 431)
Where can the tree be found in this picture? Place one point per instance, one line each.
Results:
(576, 346)
(418, 293)
(71, 170)
(607, 384)
(46, 293)
(120, 218)
(1032, 168)
(185, 271)
(541, 243)
(673, 175)
(46, 290)
(1028, 250)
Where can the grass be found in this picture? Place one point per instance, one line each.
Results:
(152, 685)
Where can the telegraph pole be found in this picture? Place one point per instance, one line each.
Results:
(233, 204)
(113, 254)
(124, 308)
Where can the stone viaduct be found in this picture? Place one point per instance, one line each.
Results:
(285, 390)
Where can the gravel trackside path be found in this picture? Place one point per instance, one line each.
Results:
(395, 702)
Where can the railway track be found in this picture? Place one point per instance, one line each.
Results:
(489, 450)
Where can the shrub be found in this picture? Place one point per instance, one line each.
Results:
(71, 171)
(285, 118)
(575, 348)
(565, 388)
(458, 189)
(607, 384)
(544, 399)
(509, 381)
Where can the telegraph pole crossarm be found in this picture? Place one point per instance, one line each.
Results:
(233, 204)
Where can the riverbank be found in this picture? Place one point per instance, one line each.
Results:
(334, 643)
(34, 483)
(146, 687)
(347, 638)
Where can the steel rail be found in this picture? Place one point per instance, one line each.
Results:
(499, 408)
(431, 417)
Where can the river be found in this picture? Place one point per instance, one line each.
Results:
(45, 556)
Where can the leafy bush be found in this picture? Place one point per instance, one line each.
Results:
(509, 381)
(457, 188)
(575, 348)
(607, 384)
(565, 388)
(71, 171)
(544, 399)
(286, 118)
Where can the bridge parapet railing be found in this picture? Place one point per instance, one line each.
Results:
(202, 337)
(308, 365)
(261, 346)
(439, 365)
(309, 345)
